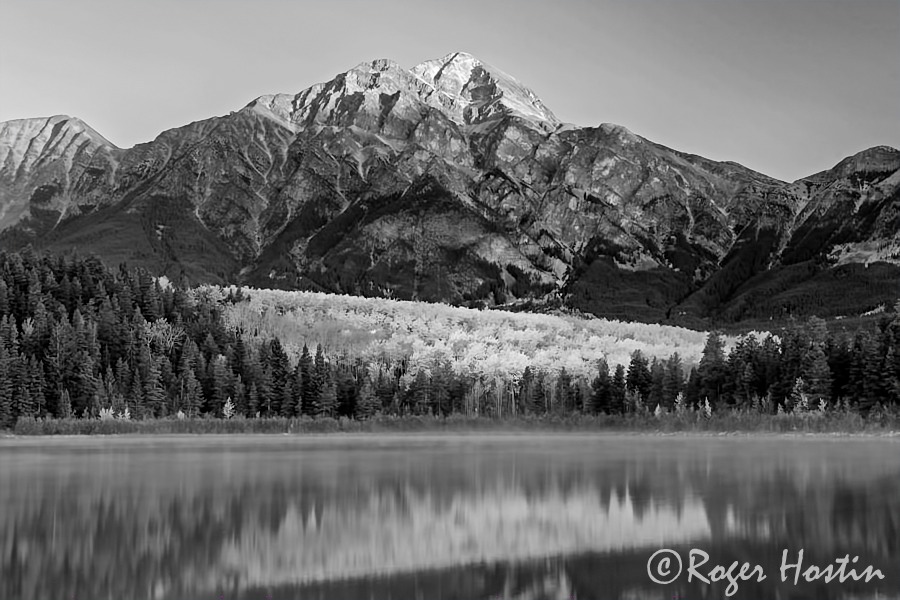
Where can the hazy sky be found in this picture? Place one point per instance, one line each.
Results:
(787, 87)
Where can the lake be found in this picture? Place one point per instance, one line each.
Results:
(444, 516)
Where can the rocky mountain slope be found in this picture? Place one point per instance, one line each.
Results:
(451, 181)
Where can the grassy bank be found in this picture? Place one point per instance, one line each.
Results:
(728, 421)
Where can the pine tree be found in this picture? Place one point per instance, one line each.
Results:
(839, 361)
(318, 380)
(253, 401)
(419, 393)
(167, 382)
(136, 398)
(367, 406)
(36, 385)
(191, 393)
(817, 374)
(328, 402)
(264, 391)
(617, 395)
(657, 384)
(673, 381)
(6, 389)
(282, 384)
(892, 373)
(296, 403)
(865, 367)
(154, 395)
(601, 399)
(639, 379)
(4, 298)
(25, 402)
(441, 375)
(384, 391)
(527, 393)
(565, 400)
(346, 393)
(218, 384)
(240, 396)
(308, 392)
(712, 372)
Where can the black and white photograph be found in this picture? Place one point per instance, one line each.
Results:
(471, 300)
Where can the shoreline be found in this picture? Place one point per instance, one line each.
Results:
(725, 424)
(481, 435)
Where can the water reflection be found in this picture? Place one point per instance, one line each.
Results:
(438, 518)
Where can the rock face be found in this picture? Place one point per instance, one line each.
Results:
(451, 181)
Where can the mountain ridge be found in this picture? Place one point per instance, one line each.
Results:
(451, 181)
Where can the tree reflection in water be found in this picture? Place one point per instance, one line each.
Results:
(447, 517)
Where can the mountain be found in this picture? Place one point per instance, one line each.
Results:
(452, 182)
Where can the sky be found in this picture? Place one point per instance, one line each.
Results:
(785, 87)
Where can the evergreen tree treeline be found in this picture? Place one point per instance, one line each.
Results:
(76, 337)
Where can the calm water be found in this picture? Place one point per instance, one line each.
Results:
(438, 517)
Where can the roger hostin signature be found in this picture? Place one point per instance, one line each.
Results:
(665, 566)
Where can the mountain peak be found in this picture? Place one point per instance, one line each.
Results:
(479, 92)
(464, 88)
(378, 65)
(57, 124)
(878, 159)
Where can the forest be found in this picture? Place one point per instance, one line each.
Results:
(81, 340)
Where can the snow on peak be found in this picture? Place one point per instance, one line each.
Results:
(480, 91)
(464, 88)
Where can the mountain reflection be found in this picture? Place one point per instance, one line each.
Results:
(442, 518)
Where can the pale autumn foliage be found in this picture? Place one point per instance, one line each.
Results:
(494, 345)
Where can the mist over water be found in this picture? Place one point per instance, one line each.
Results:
(440, 516)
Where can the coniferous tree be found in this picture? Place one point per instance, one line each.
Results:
(527, 393)
(328, 403)
(656, 397)
(565, 400)
(296, 405)
(864, 371)
(253, 401)
(367, 406)
(192, 394)
(167, 382)
(617, 396)
(218, 390)
(264, 391)
(839, 360)
(346, 393)
(601, 399)
(320, 376)
(240, 396)
(4, 298)
(712, 373)
(441, 375)
(817, 374)
(36, 385)
(136, 394)
(6, 389)
(419, 393)
(154, 394)
(891, 382)
(673, 381)
(639, 379)
(282, 383)
(308, 392)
